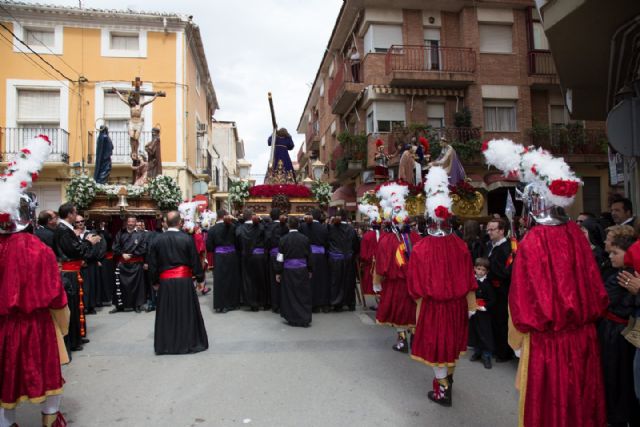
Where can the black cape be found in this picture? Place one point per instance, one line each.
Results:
(343, 241)
(318, 235)
(226, 272)
(274, 232)
(92, 275)
(130, 284)
(179, 327)
(480, 329)
(500, 277)
(254, 266)
(296, 295)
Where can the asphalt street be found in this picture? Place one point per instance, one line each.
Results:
(260, 372)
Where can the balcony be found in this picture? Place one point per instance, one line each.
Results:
(542, 69)
(312, 136)
(121, 146)
(14, 139)
(344, 88)
(571, 140)
(426, 65)
(203, 158)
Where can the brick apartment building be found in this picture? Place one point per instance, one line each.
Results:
(421, 62)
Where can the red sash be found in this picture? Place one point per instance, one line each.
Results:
(108, 255)
(180, 272)
(74, 265)
(480, 302)
(132, 260)
(615, 318)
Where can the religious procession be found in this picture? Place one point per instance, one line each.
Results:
(390, 259)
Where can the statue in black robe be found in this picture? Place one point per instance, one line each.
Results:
(318, 235)
(294, 270)
(104, 149)
(343, 248)
(173, 262)
(251, 236)
(221, 241)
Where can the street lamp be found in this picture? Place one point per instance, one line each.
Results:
(318, 169)
(307, 182)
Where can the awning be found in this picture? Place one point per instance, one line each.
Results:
(344, 196)
(363, 188)
(497, 180)
(388, 90)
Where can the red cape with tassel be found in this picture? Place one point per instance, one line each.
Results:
(556, 296)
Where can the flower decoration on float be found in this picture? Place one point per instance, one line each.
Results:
(16, 206)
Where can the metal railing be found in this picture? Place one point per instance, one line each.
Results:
(313, 130)
(428, 58)
(121, 145)
(15, 139)
(345, 73)
(570, 139)
(541, 63)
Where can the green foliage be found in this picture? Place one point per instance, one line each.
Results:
(238, 192)
(81, 191)
(462, 119)
(321, 192)
(165, 191)
(355, 146)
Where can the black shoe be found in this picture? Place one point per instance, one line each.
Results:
(85, 340)
(486, 361)
(475, 357)
(315, 310)
(326, 309)
(401, 346)
(138, 310)
(115, 310)
(225, 310)
(352, 308)
(77, 348)
(337, 309)
(218, 310)
(503, 360)
(150, 309)
(267, 307)
(275, 310)
(255, 309)
(90, 311)
(440, 394)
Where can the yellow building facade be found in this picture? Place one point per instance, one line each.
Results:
(59, 65)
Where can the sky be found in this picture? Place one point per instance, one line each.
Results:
(253, 47)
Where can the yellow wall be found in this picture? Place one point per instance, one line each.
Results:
(81, 50)
(196, 104)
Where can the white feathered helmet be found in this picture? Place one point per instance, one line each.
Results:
(17, 206)
(370, 211)
(550, 182)
(392, 197)
(438, 203)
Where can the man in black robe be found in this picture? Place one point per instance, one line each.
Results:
(275, 231)
(47, 223)
(318, 235)
(252, 241)
(343, 247)
(173, 263)
(107, 268)
(294, 272)
(71, 251)
(221, 241)
(91, 270)
(500, 278)
(130, 246)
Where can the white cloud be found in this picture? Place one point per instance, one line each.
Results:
(253, 47)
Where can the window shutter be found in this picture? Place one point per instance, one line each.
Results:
(40, 37)
(495, 38)
(124, 41)
(557, 116)
(114, 108)
(435, 111)
(393, 111)
(39, 106)
(432, 34)
(386, 35)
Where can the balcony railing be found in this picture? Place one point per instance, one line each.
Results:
(313, 130)
(14, 139)
(121, 145)
(203, 159)
(344, 74)
(541, 63)
(570, 139)
(428, 59)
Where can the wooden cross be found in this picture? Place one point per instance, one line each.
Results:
(137, 86)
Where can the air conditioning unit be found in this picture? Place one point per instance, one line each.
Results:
(202, 128)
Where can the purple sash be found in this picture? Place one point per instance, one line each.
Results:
(293, 263)
(317, 249)
(337, 256)
(225, 249)
(274, 251)
(258, 251)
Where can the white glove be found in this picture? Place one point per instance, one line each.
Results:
(518, 352)
(482, 308)
(377, 287)
(471, 313)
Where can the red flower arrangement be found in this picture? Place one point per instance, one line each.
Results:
(563, 187)
(485, 145)
(25, 151)
(34, 176)
(290, 190)
(534, 170)
(23, 184)
(464, 190)
(442, 212)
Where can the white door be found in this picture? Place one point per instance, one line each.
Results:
(49, 196)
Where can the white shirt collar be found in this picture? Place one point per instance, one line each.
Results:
(629, 221)
(499, 242)
(173, 229)
(481, 279)
(218, 222)
(62, 221)
(315, 220)
(293, 231)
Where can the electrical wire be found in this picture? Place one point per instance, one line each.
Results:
(36, 53)
(43, 44)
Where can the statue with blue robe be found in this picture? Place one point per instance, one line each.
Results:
(104, 149)
(281, 169)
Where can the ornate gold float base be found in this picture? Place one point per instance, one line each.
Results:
(299, 205)
(468, 208)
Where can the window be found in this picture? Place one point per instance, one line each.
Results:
(126, 44)
(38, 108)
(495, 38)
(116, 113)
(385, 116)
(499, 116)
(432, 43)
(379, 38)
(198, 82)
(40, 37)
(435, 115)
(558, 115)
(540, 41)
